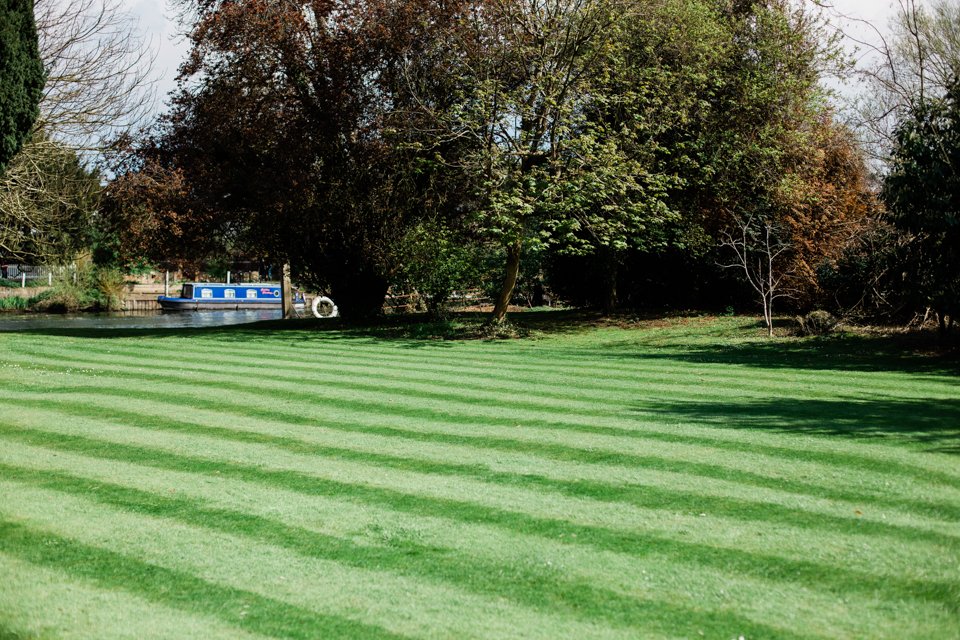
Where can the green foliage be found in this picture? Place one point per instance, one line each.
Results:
(21, 76)
(922, 193)
(437, 262)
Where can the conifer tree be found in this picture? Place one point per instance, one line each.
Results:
(21, 76)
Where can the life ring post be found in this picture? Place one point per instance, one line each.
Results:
(323, 307)
(286, 291)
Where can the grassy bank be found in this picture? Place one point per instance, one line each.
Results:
(678, 478)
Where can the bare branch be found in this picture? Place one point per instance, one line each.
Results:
(98, 71)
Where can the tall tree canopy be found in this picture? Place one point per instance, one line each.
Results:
(21, 76)
(922, 193)
(278, 136)
(321, 132)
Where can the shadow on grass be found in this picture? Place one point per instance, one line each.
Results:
(692, 338)
(935, 423)
(916, 353)
(413, 331)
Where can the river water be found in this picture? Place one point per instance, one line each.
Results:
(133, 320)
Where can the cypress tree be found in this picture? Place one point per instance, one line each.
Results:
(21, 76)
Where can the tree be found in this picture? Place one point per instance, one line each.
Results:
(552, 152)
(21, 76)
(762, 254)
(922, 194)
(918, 60)
(279, 138)
(48, 202)
(98, 72)
(97, 85)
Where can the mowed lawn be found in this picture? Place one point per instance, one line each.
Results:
(677, 479)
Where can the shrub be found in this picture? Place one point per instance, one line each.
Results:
(13, 303)
(817, 323)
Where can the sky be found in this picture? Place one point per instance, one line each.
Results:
(160, 29)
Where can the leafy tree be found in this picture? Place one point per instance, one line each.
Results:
(553, 151)
(97, 84)
(922, 194)
(21, 76)
(277, 145)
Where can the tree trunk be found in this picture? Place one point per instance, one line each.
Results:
(509, 282)
(611, 264)
(768, 315)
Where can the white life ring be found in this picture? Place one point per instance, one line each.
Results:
(324, 300)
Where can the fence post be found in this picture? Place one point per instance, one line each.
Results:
(23, 279)
(49, 278)
(228, 277)
(166, 283)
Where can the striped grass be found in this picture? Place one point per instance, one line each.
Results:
(675, 479)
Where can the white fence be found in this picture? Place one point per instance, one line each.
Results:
(33, 275)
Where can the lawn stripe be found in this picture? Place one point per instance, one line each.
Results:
(415, 405)
(816, 568)
(596, 383)
(419, 539)
(507, 488)
(584, 510)
(882, 459)
(113, 570)
(303, 582)
(539, 587)
(764, 470)
(369, 380)
(217, 378)
(636, 486)
(514, 357)
(40, 602)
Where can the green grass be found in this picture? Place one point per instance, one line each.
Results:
(679, 478)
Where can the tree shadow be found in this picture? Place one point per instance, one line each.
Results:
(931, 422)
(409, 331)
(908, 353)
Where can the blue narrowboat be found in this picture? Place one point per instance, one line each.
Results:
(199, 296)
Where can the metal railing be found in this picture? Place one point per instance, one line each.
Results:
(27, 275)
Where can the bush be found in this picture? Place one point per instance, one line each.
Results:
(817, 323)
(93, 288)
(437, 262)
(108, 287)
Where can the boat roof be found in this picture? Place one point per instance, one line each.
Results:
(234, 284)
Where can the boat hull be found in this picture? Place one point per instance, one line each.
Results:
(196, 304)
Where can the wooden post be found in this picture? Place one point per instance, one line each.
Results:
(286, 292)
(228, 277)
(166, 283)
(49, 278)
(23, 279)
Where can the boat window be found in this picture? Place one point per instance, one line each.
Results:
(229, 293)
(206, 293)
(251, 293)
(187, 291)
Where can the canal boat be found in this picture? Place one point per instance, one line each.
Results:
(203, 296)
